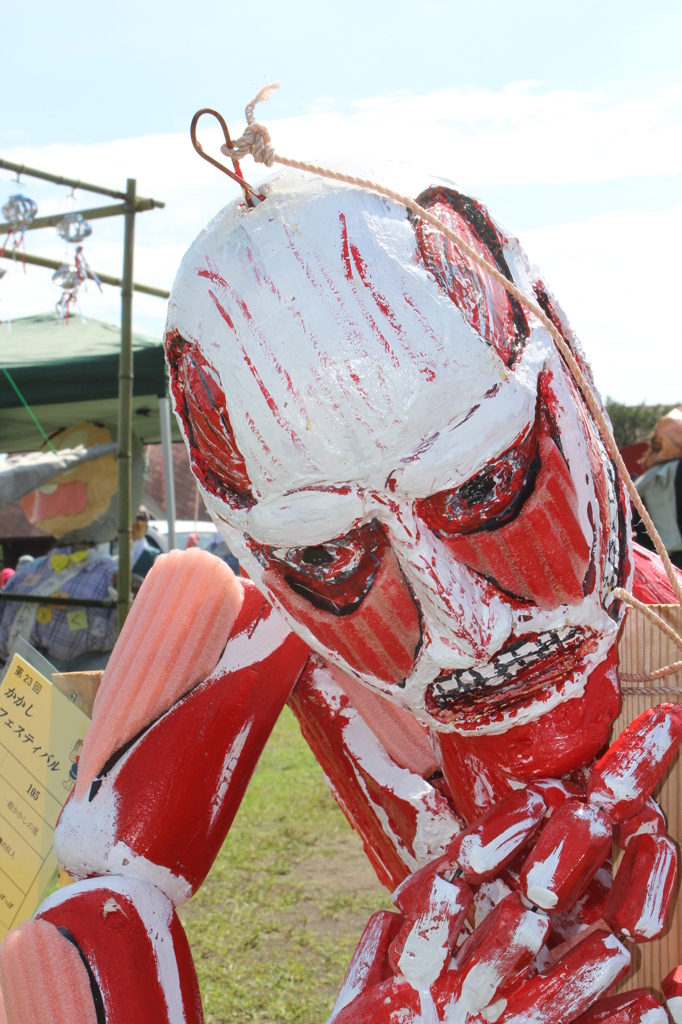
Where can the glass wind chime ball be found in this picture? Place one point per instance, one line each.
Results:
(19, 210)
(73, 228)
(66, 277)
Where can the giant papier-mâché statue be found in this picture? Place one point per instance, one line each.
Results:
(432, 531)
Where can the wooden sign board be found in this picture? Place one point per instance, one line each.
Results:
(644, 648)
(41, 736)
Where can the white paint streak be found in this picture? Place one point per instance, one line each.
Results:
(540, 877)
(652, 918)
(426, 949)
(674, 1005)
(249, 648)
(110, 907)
(486, 898)
(484, 978)
(656, 1015)
(360, 966)
(436, 825)
(622, 784)
(483, 857)
(231, 761)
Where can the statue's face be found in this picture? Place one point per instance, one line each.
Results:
(395, 451)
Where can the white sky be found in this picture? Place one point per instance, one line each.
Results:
(566, 123)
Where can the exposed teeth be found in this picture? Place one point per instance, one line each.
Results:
(503, 669)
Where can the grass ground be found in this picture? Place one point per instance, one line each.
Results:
(274, 925)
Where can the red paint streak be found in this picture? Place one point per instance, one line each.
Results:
(349, 326)
(380, 300)
(428, 329)
(264, 391)
(278, 366)
(344, 248)
(212, 275)
(223, 312)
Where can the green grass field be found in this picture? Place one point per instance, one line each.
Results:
(274, 925)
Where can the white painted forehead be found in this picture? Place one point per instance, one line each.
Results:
(337, 352)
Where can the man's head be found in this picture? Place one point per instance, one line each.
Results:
(139, 527)
(395, 450)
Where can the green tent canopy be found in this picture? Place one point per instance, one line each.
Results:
(68, 373)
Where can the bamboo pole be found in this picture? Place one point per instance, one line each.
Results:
(125, 396)
(59, 602)
(168, 476)
(95, 213)
(41, 261)
(58, 179)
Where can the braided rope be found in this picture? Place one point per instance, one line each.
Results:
(649, 614)
(256, 142)
(649, 691)
(659, 673)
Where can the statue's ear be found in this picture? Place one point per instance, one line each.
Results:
(485, 305)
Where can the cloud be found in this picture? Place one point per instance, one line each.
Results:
(612, 272)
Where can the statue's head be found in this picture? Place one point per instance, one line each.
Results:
(395, 450)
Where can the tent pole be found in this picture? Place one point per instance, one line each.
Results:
(168, 478)
(125, 409)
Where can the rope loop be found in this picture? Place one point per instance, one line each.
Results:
(255, 139)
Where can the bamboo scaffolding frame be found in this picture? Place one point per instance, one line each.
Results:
(57, 179)
(131, 205)
(116, 282)
(95, 213)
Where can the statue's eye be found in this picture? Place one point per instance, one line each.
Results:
(317, 556)
(200, 403)
(490, 499)
(336, 576)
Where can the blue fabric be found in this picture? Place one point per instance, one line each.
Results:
(145, 560)
(71, 632)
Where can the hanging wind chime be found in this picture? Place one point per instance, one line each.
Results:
(73, 228)
(18, 211)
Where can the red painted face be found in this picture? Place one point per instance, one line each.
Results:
(516, 523)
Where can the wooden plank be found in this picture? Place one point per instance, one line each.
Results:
(80, 687)
(644, 648)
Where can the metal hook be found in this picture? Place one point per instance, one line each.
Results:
(236, 175)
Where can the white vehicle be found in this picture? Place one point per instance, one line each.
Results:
(209, 538)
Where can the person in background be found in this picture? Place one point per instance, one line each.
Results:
(142, 553)
(660, 486)
(192, 541)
